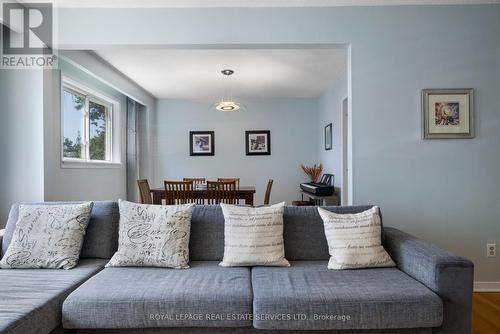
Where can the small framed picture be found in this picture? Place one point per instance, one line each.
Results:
(258, 142)
(447, 113)
(328, 137)
(201, 143)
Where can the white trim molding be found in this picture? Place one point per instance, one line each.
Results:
(253, 3)
(113, 154)
(486, 286)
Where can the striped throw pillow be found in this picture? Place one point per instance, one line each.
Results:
(253, 236)
(355, 240)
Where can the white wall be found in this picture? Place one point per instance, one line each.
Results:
(21, 138)
(330, 111)
(293, 141)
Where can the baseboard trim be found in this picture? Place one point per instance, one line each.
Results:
(486, 286)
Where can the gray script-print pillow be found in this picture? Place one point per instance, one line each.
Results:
(153, 236)
(48, 236)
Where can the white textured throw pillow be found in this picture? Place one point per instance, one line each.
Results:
(253, 236)
(48, 236)
(355, 240)
(153, 236)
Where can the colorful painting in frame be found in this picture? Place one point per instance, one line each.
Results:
(448, 113)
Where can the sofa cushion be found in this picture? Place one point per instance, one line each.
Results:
(313, 297)
(207, 234)
(246, 330)
(101, 239)
(205, 295)
(303, 232)
(31, 299)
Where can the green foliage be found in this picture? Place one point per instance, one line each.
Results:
(97, 123)
(97, 117)
(79, 102)
(73, 150)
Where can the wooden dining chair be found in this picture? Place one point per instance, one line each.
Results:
(221, 192)
(145, 191)
(195, 180)
(230, 179)
(268, 191)
(179, 192)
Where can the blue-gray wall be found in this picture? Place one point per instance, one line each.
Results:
(21, 138)
(330, 111)
(292, 123)
(442, 190)
(30, 168)
(97, 183)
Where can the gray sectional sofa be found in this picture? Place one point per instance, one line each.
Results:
(430, 291)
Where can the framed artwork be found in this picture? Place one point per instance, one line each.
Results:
(328, 137)
(201, 143)
(258, 142)
(447, 113)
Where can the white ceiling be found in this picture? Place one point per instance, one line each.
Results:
(259, 73)
(252, 3)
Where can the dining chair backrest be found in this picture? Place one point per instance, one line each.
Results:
(230, 179)
(145, 191)
(268, 192)
(195, 180)
(179, 192)
(221, 192)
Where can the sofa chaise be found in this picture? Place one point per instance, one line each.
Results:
(430, 290)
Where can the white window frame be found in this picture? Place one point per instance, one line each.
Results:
(112, 106)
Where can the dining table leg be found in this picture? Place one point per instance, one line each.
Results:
(248, 199)
(157, 197)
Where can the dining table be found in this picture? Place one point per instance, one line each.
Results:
(245, 193)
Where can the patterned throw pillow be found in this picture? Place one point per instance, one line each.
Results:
(48, 236)
(253, 236)
(153, 236)
(355, 240)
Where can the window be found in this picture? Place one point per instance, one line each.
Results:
(87, 125)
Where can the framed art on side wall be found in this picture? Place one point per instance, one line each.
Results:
(201, 143)
(448, 113)
(328, 137)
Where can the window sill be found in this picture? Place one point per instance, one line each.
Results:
(75, 164)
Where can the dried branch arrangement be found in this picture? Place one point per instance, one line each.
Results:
(313, 172)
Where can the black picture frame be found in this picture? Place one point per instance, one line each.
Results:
(328, 137)
(207, 149)
(252, 138)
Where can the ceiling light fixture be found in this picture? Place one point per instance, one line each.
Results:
(228, 104)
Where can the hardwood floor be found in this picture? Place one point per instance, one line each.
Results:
(486, 313)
